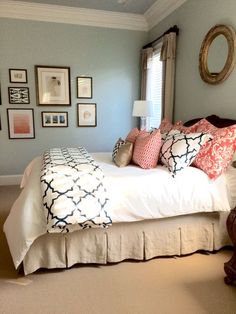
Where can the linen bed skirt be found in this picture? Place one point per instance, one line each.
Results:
(141, 240)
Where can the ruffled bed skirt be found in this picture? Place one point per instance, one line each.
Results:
(141, 240)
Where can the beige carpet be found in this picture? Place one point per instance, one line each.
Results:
(190, 284)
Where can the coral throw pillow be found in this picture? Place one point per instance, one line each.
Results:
(131, 137)
(215, 156)
(204, 126)
(166, 125)
(146, 149)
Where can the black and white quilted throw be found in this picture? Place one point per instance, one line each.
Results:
(74, 195)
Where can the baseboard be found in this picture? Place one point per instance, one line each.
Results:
(10, 180)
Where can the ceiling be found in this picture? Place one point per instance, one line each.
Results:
(124, 6)
(139, 15)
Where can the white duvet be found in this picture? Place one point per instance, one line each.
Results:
(135, 194)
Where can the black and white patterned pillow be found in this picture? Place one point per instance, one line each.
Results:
(118, 144)
(166, 135)
(179, 150)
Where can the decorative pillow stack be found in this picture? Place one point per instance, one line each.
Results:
(146, 149)
(179, 150)
(122, 153)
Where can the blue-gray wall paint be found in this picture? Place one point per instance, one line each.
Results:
(193, 97)
(110, 56)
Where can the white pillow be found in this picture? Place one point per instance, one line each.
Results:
(179, 150)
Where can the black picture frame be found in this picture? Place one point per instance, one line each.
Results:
(52, 85)
(18, 76)
(87, 114)
(52, 119)
(18, 95)
(84, 86)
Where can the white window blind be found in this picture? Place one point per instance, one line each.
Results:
(154, 88)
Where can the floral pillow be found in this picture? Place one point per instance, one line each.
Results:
(179, 150)
(215, 157)
(146, 149)
(204, 126)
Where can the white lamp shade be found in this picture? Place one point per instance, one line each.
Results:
(142, 108)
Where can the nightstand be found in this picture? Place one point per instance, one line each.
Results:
(230, 266)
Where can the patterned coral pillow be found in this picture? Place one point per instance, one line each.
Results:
(131, 137)
(146, 149)
(215, 157)
(166, 125)
(179, 150)
(204, 126)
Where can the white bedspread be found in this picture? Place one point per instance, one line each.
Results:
(135, 194)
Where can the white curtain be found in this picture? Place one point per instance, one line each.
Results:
(168, 54)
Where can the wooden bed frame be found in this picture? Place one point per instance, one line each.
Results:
(141, 240)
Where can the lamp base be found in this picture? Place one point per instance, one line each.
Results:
(143, 123)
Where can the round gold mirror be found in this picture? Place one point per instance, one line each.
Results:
(217, 54)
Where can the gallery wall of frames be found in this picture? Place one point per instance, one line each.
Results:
(52, 88)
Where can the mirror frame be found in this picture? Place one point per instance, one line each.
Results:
(230, 36)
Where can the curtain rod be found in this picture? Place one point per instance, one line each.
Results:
(173, 29)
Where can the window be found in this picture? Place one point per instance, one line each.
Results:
(155, 87)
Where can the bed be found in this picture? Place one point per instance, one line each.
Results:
(146, 224)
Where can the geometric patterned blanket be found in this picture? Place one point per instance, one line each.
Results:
(74, 195)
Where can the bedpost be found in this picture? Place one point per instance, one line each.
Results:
(230, 266)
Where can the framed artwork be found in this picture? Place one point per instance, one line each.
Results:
(53, 86)
(87, 114)
(84, 87)
(18, 95)
(54, 119)
(20, 123)
(18, 76)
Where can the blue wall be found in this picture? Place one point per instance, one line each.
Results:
(110, 56)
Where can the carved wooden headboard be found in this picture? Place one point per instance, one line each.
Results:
(215, 120)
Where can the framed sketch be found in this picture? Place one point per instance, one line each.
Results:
(84, 87)
(20, 123)
(18, 95)
(54, 119)
(87, 114)
(53, 86)
(18, 76)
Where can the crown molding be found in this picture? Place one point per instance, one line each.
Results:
(160, 10)
(88, 17)
(62, 14)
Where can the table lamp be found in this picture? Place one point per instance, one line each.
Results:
(142, 109)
